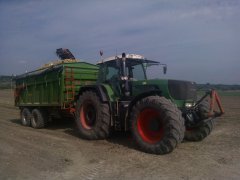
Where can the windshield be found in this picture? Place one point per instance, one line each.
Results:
(113, 71)
(154, 72)
(136, 72)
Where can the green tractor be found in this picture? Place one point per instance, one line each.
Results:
(160, 113)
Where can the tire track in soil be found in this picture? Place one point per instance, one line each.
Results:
(91, 172)
(87, 170)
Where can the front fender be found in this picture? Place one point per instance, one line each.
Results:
(135, 100)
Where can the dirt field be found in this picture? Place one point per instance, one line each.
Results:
(58, 153)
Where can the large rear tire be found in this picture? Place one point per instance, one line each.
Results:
(157, 125)
(203, 130)
(39, 119)
(92, 116)
(25, 117)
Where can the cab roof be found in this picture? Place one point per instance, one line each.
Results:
(130, 58)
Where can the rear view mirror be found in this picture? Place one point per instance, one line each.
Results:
(164, 69)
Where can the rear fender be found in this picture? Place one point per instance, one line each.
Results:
(102, 94)
(99, 89)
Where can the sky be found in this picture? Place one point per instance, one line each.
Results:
(199, 40)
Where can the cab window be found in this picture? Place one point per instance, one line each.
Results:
(137, 72)
(112, 72)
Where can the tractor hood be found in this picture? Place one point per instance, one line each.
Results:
(182, 90)
(176, 90)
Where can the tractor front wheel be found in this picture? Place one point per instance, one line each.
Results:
(204, 129)
(92, 116)
(200, 132)
(157, 125)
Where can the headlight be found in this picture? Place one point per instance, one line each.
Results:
(188, 105)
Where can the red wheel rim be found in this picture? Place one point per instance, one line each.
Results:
(87, 115)
(190, 129)
(149, 125)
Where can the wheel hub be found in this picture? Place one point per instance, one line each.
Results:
(149, 125)
(88, 115)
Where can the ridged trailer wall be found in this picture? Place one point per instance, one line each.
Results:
(54, 86)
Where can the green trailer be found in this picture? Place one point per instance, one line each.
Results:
(53, 89)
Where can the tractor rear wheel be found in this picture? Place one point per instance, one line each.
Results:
(25, 117)
(39, 119)
(157, 125)
(203, 130)
(92, 116)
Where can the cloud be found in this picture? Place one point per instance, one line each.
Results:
(189, 35)
(22, 62)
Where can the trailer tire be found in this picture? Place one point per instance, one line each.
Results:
(92, 116)
(25, 117)
(204, 129)
(38, 119)
(157, 125)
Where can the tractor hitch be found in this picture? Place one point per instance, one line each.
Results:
(196, 116)
(213, 96)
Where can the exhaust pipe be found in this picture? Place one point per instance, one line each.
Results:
(125, 77)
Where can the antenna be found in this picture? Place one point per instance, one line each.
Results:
(101, 54)
(26, 68)
(116, 57)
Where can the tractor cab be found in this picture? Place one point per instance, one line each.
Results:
(125, 72)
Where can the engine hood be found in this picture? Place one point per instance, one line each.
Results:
(176, 90)
(182, 90)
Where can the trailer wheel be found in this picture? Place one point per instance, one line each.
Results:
(203, 130)
(92, 116)
(38, 119)
(157, 125)
(25, 117)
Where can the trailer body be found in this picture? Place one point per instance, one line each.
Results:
(55, 86)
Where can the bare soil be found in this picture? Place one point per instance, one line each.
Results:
(58, 153)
